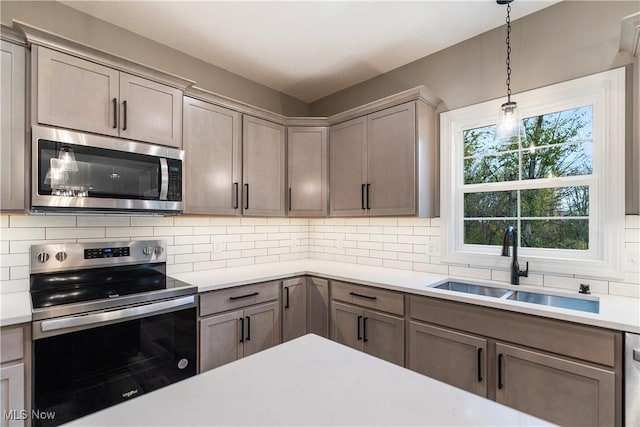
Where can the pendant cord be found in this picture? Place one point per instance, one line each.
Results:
(508, 40)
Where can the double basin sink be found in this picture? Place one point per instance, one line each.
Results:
(587, 304)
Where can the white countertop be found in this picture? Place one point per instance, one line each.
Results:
(619, 313)
(15, 308)
(309, 381)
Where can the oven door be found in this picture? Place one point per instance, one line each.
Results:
(77, 373)
(82, 171)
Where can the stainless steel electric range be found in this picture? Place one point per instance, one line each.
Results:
(108, 325)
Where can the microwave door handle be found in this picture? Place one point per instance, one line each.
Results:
(164, 179)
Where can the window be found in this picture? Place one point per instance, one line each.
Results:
(562, 187)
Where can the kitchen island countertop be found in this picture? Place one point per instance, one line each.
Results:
(309, 381)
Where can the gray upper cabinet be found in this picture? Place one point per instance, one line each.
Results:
(307, 171)
(78, 94)
(263, 167)
(391, 161)
(12, 151)
(213, 159)
(385, 163)
(150, 111)
(348, 176)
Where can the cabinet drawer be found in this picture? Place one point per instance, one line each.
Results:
(367, 296)
(588, 343)
(238, 297)
(12, 343)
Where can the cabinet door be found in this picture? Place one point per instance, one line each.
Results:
(318, 306)
(348, 159)
(263, 167)
(220, 339)
(558, 390)
(150, 111)
(307, 171)
(346, 325)
(74, 93)
(12, 394)
(212, 159)
(448, 356)
(12, 127)
(294, 308)
(391, 161)
(262, 327)
(383, 336)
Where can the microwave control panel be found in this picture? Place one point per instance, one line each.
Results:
(175, 180)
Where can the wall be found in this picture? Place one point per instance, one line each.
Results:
(414, 244)
(194, 243)
(72, 24)
(567, 40)
(203, 243)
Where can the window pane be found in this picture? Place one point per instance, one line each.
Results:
(555, 233)
(554, 202)
(558, 160)
(559, 127)
(480, 141)
(490, 204)
(491, 169)
(485, 232)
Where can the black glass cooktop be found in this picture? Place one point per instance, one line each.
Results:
(69, 287)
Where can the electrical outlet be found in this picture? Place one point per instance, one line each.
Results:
(433, 247)
(218, 247)
(339, 243)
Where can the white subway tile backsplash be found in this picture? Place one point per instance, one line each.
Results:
(192, 240)
(31, 221)
(74, 233)
(202, 243)
(151, 221)
(102, 221)
(172, 231)
(114, 232)
(11, 234)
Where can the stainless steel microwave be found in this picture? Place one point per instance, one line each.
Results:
(73, 171)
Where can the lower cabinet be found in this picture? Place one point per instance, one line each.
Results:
(318, 306)
(14, 378)
(294, 308)
(375, 333)
(448, 356)
(237, 322)
(563, 391)
(559, 371)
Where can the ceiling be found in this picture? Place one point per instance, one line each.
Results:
(307, 49)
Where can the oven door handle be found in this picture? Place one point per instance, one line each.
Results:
(164, 178)
(115, 315)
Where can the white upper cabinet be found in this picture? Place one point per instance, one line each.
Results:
(78, 94)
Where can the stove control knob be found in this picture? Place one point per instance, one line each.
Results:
(159, 250)
(43, 257)
(147, 250)
(61, 256)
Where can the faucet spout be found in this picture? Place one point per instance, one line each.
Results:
(511, 237)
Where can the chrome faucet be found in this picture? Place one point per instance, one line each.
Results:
(510, 234)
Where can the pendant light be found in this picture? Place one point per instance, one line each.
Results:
(509, 127)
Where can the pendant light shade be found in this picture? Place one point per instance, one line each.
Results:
(509, 126)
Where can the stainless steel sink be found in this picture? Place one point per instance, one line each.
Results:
(587, 304)
(488, 291)
(582, 304)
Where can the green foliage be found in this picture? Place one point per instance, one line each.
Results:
(557, 145)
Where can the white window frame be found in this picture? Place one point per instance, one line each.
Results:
(604, 259)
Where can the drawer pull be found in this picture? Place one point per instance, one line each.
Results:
(353, 294)
(244, 296)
